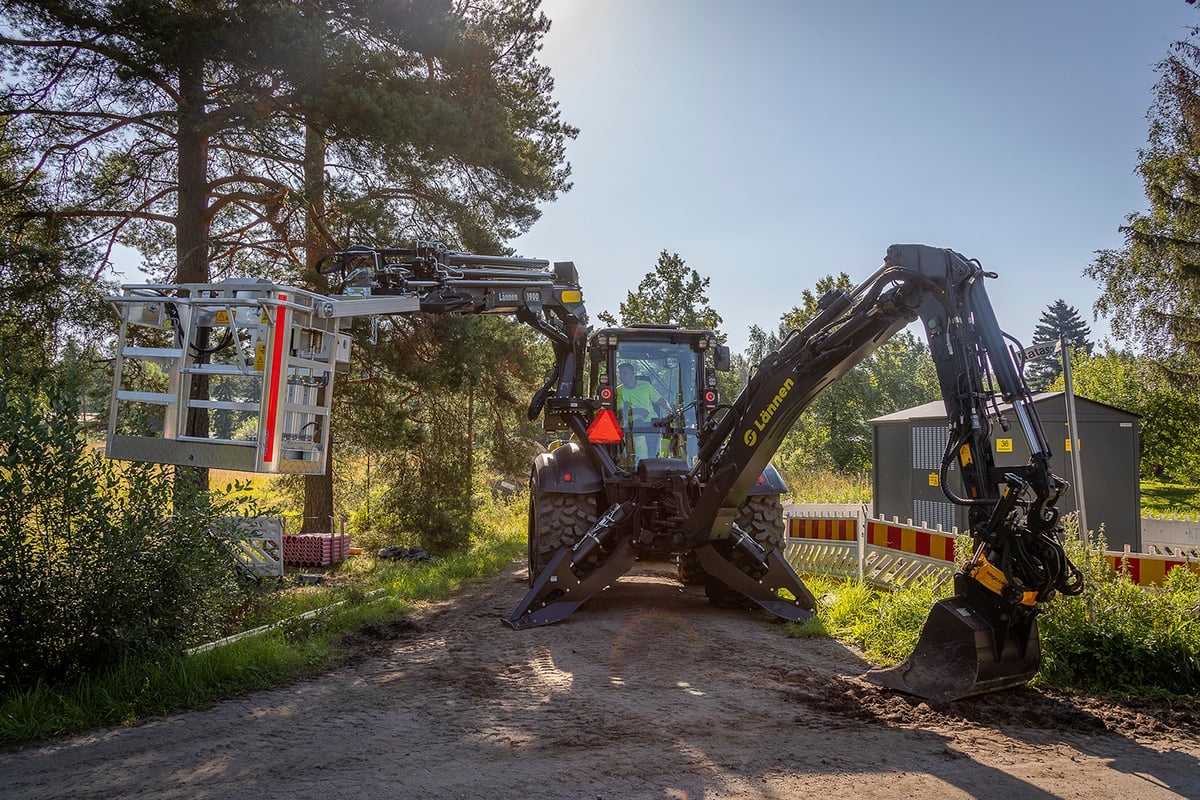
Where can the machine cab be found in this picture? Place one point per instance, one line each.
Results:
(657, 381)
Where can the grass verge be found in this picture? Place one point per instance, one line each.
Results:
(142, 688)
(1181, 499)
(1116, 639)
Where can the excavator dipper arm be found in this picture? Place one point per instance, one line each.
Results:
(985, 637)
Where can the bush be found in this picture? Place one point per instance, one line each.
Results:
(1119, 638)
(97, 562)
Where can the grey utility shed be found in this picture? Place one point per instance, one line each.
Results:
(907, 453)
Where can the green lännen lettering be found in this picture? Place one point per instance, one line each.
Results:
(765, 416)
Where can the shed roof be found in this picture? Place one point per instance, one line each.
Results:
(937, 409)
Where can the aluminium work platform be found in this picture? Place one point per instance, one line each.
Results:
(233, 375)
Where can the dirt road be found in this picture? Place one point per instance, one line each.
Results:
(646, 692)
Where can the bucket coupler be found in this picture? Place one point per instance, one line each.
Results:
(971, 644)
(560, 589)
(771, 591)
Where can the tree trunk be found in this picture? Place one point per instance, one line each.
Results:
(191, 232)
(318, 489)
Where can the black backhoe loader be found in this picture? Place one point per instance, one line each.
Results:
(653, 463)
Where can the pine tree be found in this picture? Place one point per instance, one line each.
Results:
(671, 294)
(1151, 286)
(1059, 320)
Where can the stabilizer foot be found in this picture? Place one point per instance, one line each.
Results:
(780, 589)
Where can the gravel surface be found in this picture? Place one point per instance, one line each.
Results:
(646, 692)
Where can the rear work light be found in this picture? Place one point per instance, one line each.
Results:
(604, 428)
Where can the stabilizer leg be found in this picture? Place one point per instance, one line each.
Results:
(779, 590)
(559, 591)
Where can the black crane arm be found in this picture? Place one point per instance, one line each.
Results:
(433, 279)
(1013, 515)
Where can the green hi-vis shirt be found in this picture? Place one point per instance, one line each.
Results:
(640, 397)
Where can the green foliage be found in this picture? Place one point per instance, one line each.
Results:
(49, 297)
(1115, 639)
(439, 402)
(427, 118)
(370, 592)
(1169, 416)
(1119, 638)
(1059, 320)
(97, 564)
(1151, 286)
(821, 485)
(671, 294)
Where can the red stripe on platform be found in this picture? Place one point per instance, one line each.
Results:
(276, 362)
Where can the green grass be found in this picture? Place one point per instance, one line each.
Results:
(1116, 639)
(884, 625)
(1170, 498)
(369, 592)
(827, 486)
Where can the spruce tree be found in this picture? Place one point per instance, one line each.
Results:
(1059, 320)
(1151, 286)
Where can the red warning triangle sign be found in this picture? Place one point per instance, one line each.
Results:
(604, 428)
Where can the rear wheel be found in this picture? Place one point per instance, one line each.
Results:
(761, 516)
(556, 520)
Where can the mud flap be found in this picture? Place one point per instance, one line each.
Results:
(558, 591)
(778, 578)
(957, 655)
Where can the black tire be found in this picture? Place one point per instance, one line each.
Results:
(761, 516)
(690, 571)
(556, 520)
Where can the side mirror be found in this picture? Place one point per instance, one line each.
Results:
(721, 358)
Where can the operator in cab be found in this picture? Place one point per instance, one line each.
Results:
(640, 403)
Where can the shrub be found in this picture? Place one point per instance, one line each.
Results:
(1119, 638)
(97, 562)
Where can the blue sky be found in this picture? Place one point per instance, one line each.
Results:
(771, 143)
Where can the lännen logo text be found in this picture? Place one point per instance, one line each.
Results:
(750, 437)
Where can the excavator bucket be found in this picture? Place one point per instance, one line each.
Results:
(960, 654)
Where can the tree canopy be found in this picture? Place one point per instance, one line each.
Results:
(672, 293)
(1059, 320)
(1167, 424)
(835, 431)
(182, 128)
(1150, 287)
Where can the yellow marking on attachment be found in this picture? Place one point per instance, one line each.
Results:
(964, 455)
(572, 296)
(1004, 445)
